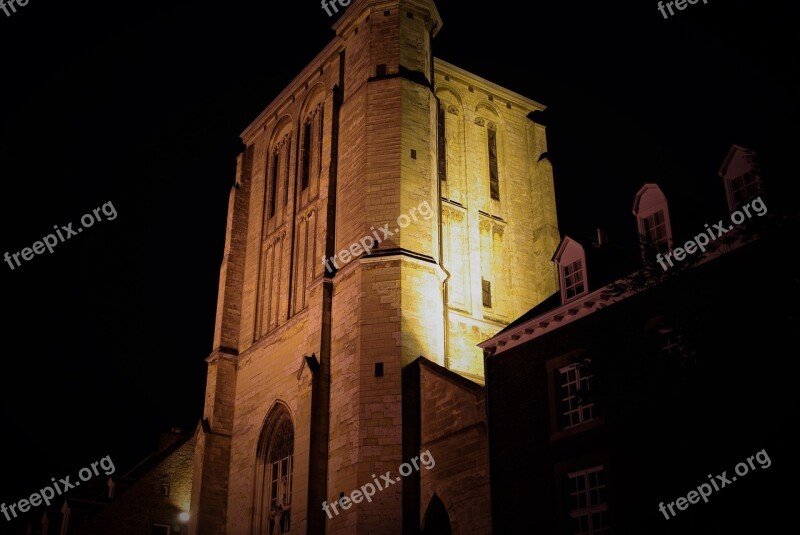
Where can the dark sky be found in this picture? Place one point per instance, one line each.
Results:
(141, 104)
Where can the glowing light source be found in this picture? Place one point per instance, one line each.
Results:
(183, 517)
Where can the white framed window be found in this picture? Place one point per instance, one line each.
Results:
(671, 343)
(674, 348)
(588, 508)
(745, 187)
(652, 219)
(655, 231)
(281, 493)
(571, 260)
(573, 385)
(573, 279)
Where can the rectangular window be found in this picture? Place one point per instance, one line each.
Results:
(573, 385)
(273, 184)
(486, 286)
(306, 156)
(655, 231)
(281, 494)
(745, 187)
(441, 143)
(161, 529)
(494, 181)
(588, 510)
(573, 279)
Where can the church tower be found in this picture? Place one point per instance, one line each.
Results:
(387, 206)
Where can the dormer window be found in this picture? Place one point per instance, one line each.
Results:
(745, 187)
(655, 230)
(571, 260)
(742, 177)
(652, 219)
(573, 279)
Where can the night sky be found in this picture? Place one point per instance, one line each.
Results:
(141, 104)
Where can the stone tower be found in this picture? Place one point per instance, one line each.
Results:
(447, 176)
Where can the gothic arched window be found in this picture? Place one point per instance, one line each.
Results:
(274, 469)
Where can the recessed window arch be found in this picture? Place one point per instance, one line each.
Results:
(488, 117)
(441, 140)
(494, 175)
(274, 472)
(450, 145)
(278, 169)
(312, 136)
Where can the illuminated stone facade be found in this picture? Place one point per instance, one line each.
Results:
(349, 146)
(499, 225)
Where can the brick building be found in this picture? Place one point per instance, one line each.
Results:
(634, 383)
(327, 373)
(151, 497)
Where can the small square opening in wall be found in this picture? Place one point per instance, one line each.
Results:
(413, 154)
(387, 13)
(491, 98)
(508, 105)
(471, 89)
(164, 490)
(380, 70)
(486, 291)
(379, 369)
(410, 15)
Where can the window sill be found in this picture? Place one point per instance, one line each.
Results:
(577, 429)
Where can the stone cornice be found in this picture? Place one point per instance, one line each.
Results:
(441, 67)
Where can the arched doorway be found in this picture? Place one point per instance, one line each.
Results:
(437, 521)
